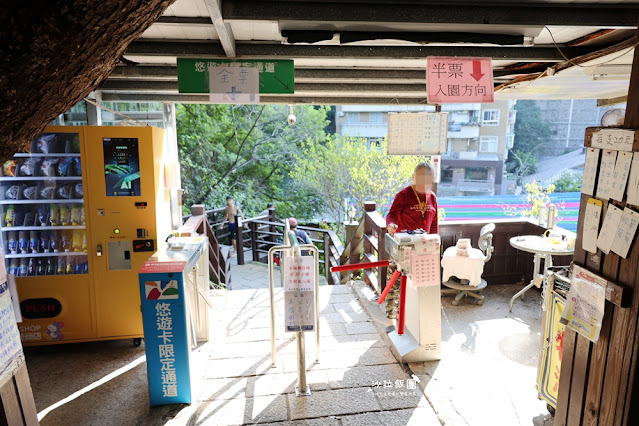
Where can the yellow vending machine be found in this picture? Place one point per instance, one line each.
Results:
(80, 213)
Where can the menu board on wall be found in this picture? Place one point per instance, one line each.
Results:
(420, 133)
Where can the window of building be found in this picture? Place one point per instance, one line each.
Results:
(447, 175)
(510, 141)
(374, 142)
(490, 117)
(488, 143)
(353, 117)
(376, 117)
(476, 173)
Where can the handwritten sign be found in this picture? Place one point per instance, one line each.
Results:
(617, 139)
(606, 174)
(625, 232)
(459, 80)
(592, 218)
(590, 171)
(609, 228)
(633, 182)
(423, 133)
(620, 176)
(234, 85)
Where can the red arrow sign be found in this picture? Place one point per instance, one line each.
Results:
(477, 74)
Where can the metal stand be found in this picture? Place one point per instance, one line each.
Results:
(291, 247)
(537, 263)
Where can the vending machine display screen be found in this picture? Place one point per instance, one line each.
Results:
(121, 167)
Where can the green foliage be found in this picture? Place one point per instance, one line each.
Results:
(568, 183)
(531, 136)
(342, 167)
(246, 151)
(535, 197)
(522, 165)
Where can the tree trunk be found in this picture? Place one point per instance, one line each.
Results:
(54, 53)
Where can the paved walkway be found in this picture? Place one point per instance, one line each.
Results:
(347, 384)
(254, 275)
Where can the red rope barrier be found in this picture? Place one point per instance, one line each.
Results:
(402, 304)
(357, 266)
(389, 286)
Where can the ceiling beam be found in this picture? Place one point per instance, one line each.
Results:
(184, 20)
(278, 51)
(314, 36)
(266, 99)
(339, 89)
(224, 31)
(436, 12)
(302, 75)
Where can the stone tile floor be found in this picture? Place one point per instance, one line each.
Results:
(347, 385)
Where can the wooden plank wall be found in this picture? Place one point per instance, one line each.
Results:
(597, 384)
(16, 400)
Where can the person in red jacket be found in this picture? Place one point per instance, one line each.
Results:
(414, 207)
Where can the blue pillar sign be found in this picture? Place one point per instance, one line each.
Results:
(165, 332)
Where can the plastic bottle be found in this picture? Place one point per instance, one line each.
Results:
(70, 265)
(76, 241)
(34, 242)
(65, 241)
(12, 242)
(50, 268)
(65, 215)
(10, 216)
(54, 242)
(54, 215)
(60, 265)
(24, 266)
(84, 241)
(23, 242)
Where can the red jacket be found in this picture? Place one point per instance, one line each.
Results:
(406, 215)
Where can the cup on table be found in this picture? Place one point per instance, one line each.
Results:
(553, 237)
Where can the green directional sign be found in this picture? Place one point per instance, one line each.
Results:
(276, 76)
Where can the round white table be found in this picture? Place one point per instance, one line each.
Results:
(542, 249)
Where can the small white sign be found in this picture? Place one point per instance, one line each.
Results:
(299, 273)
(606, 174)
(609, 228)
(620, 177)
(233, 85)
(617, 139)
(592, 219)
(625, 232)
(299, 311)
(590, 171)
(633, 182)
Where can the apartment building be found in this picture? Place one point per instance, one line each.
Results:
(479, 136)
